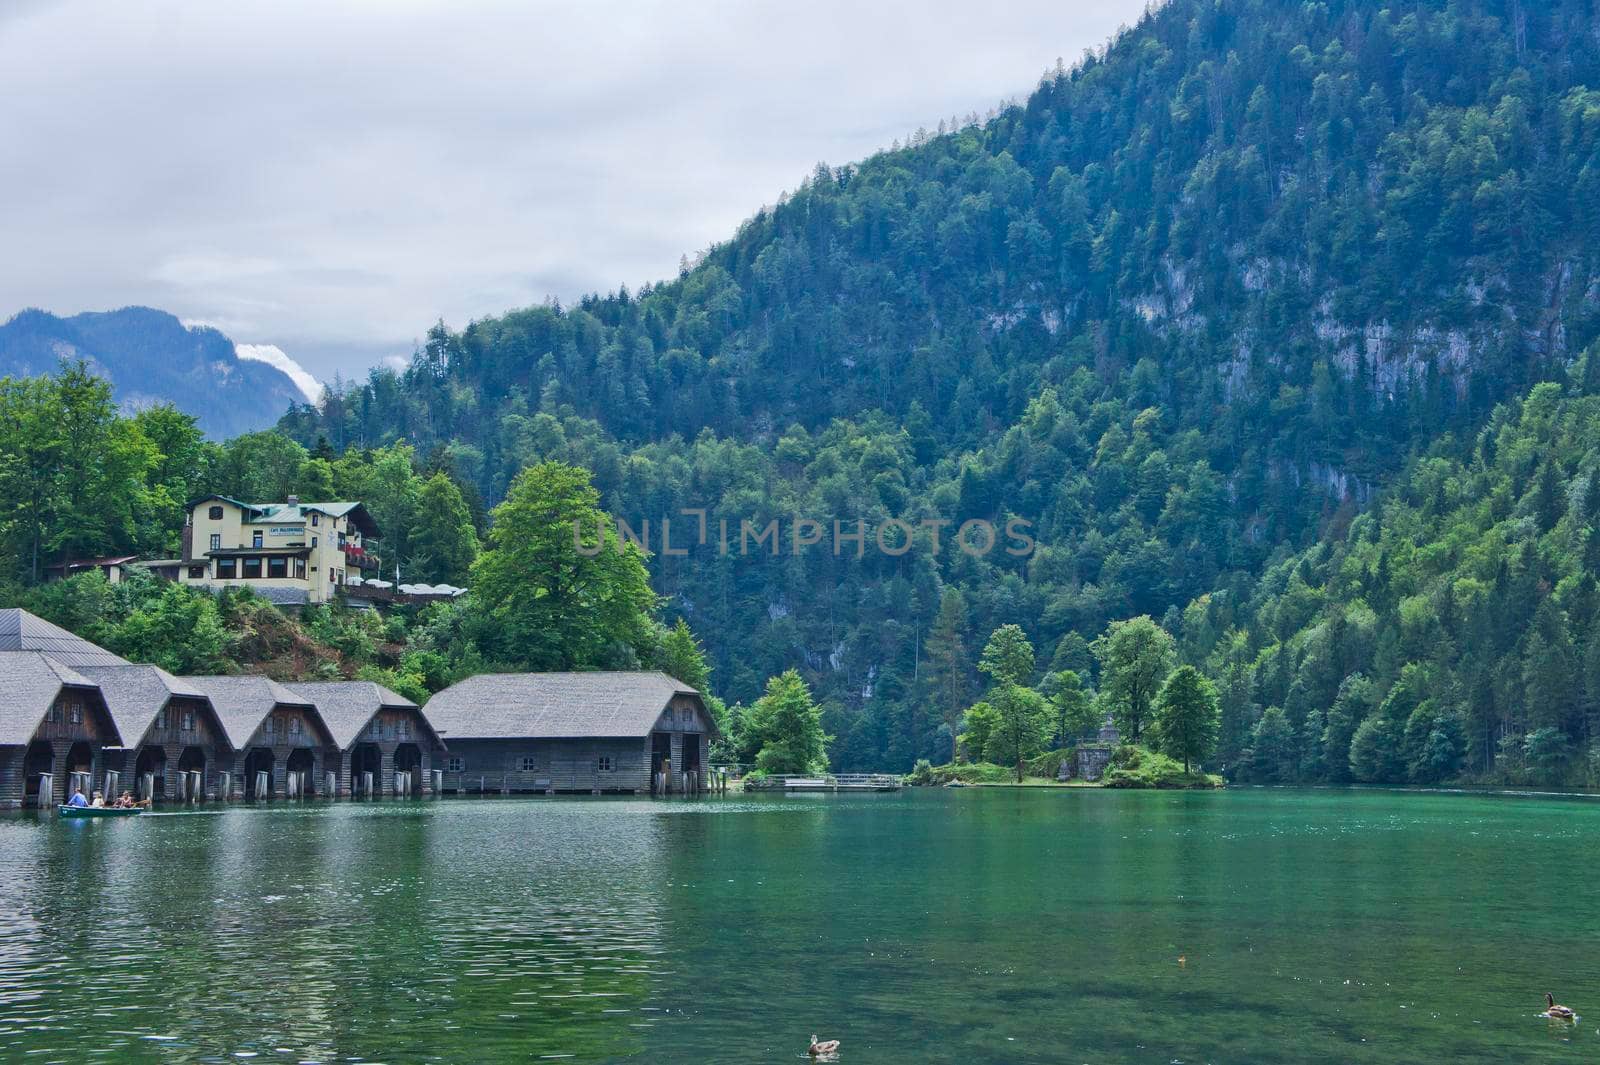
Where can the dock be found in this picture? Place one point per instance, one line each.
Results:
(829, 782)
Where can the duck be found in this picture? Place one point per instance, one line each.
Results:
(1560, 1013)
(822, 1047)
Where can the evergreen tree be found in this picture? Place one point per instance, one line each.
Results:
(443, 542)
(1187, 717)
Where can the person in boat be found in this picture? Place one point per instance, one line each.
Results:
(77, 798)
(98, 802)
(125, 801)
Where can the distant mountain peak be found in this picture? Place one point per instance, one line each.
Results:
(151, 357)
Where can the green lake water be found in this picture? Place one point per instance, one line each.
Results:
(931, 926)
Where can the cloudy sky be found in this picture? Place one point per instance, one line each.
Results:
(330, 178)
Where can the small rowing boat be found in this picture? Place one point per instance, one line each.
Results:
(100, 811)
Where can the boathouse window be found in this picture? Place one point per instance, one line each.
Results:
(188, 721)
(456, 764)
(604, 763)
(161, 719)
(216, 541)
(530, 764)
(215, 514)
(252, 569)
(75, 713)
(271, 725)
(277, 567)
(300, 566)
(294, 726)
(227, 568)
(402, 729)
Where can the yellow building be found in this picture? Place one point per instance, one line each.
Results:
(290, 552)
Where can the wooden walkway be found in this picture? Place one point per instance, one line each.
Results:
(831, 782)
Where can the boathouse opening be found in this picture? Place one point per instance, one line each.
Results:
(408, 760)
(300, 765)
(150, 773)
(39, 760)
(691, 763)
(193, 760)
(660, 762)
(259, 761)
(366, 770)
(80, 760)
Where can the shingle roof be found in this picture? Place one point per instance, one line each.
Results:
(22, 631)
(347, 706)
(135, 694)
(553, 705)
(242, 703)
(30, 682)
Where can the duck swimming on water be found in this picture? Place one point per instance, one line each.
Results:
(1559, 1013)
(822, 1047)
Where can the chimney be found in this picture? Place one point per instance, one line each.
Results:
(294, 501)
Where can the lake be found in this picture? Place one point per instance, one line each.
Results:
(976, 925)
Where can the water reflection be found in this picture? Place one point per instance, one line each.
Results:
(970, 926)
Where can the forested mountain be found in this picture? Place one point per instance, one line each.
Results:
(151, 358)
(1185, 310)
(1456, 627)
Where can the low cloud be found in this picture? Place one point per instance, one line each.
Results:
(273, 355)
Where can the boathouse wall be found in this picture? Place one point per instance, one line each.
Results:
(390, 729)
(548, 766)
(182, 724)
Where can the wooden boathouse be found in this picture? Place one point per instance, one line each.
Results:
(590, 733)
(177, 748)
(55, 731)
(385, 744)
(284, 748)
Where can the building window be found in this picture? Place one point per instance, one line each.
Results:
(215, 513)
(272, 724)
(313, 541)
(402, 729)
(216, 541)
(188, 721)
(252, 569)
(227, 568)
(161, 719)
(75, 713)
(300, 568)
(294, 726)
(255, 538)
(277, 567)
(314, 518)
(455, 765)
(604, 763)
(197, 572)
(530, 764)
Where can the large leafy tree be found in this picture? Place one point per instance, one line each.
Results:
(556, 589)
(1188, 718)
(787, 723)
(1135, 657)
